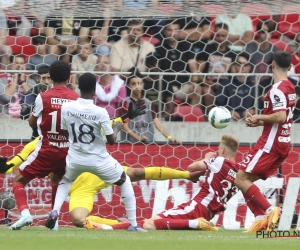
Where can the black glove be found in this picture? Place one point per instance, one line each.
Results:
(135, 110)
(3, 166)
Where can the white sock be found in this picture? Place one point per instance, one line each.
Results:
(129, 200)
(269, 210)
(25, 212)
(259, 217)
(107, 227)
(61, 194)
(193, 224)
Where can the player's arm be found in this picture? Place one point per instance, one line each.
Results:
(201, 165)
(277, 117)
(37, 111)
(15, 162)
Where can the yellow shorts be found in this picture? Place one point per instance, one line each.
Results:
(84, 189)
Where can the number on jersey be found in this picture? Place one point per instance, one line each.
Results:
(85, 131)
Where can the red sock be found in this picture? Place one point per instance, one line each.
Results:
(171, 224)
(257, 199)
(120, 226)
(256, 210)
(54, 189)
(123, 226)
(20, 196)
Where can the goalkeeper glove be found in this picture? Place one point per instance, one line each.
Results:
(134, 110)
(3, 166)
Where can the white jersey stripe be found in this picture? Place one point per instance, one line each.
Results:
(211, 194)
(186, 210)
(32, 156)
(271, 138)
(254, 160)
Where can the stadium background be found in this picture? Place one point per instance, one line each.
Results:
(287, 18)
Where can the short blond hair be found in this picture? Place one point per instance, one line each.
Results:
(230, 142)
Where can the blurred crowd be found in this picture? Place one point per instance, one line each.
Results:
(175, 45)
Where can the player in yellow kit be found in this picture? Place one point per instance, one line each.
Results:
(87, 185)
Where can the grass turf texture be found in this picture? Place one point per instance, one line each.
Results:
(32, 238)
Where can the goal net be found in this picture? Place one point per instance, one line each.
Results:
(191, 58)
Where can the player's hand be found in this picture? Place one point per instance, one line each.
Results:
(253, 121)
(210, 155)
(3, 166)
(135, 110)
(116, 126)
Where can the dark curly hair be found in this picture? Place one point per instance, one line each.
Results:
(60, 71)
(87, 82)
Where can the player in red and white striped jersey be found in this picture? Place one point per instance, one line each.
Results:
(272, 147)
(52, 148)
(217, 189)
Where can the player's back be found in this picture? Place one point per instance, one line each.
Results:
(84, 121)
(275, 138)
(218, 187)
(49, 120)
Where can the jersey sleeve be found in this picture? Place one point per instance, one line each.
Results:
(215, 164)
(63, 124)
(278, 99)
(38, 107)
(105, 123)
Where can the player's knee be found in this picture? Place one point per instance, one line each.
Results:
(77, 219)
(136, 174)
(149, 225)
(241, 177)
(121, 181)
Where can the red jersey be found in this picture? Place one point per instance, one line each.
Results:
(48, 111)
(218, 187)
(275, 138)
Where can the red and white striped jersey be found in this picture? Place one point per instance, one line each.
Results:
(275, 138)
(218, 187)
(48, 111)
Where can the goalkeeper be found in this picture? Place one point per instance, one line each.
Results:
(87, 185)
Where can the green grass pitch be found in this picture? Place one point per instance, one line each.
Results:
(32, 238)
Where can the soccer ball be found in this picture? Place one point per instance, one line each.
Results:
(219, 117)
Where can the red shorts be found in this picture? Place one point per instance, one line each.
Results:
(43, 161)
(261, 163)
(189, 210)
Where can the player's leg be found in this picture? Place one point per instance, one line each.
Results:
(258, 165)
(72, 172)
(82, 194)
(188, 215)
(21, 199)
(161, 173)
(79, 215)
(128, 198)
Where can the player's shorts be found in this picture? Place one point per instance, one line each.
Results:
(261, 163)
(109, 169)
(189, 210)
(84, 189)
(43, 161)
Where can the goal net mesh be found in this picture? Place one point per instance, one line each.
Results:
(88, 37)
